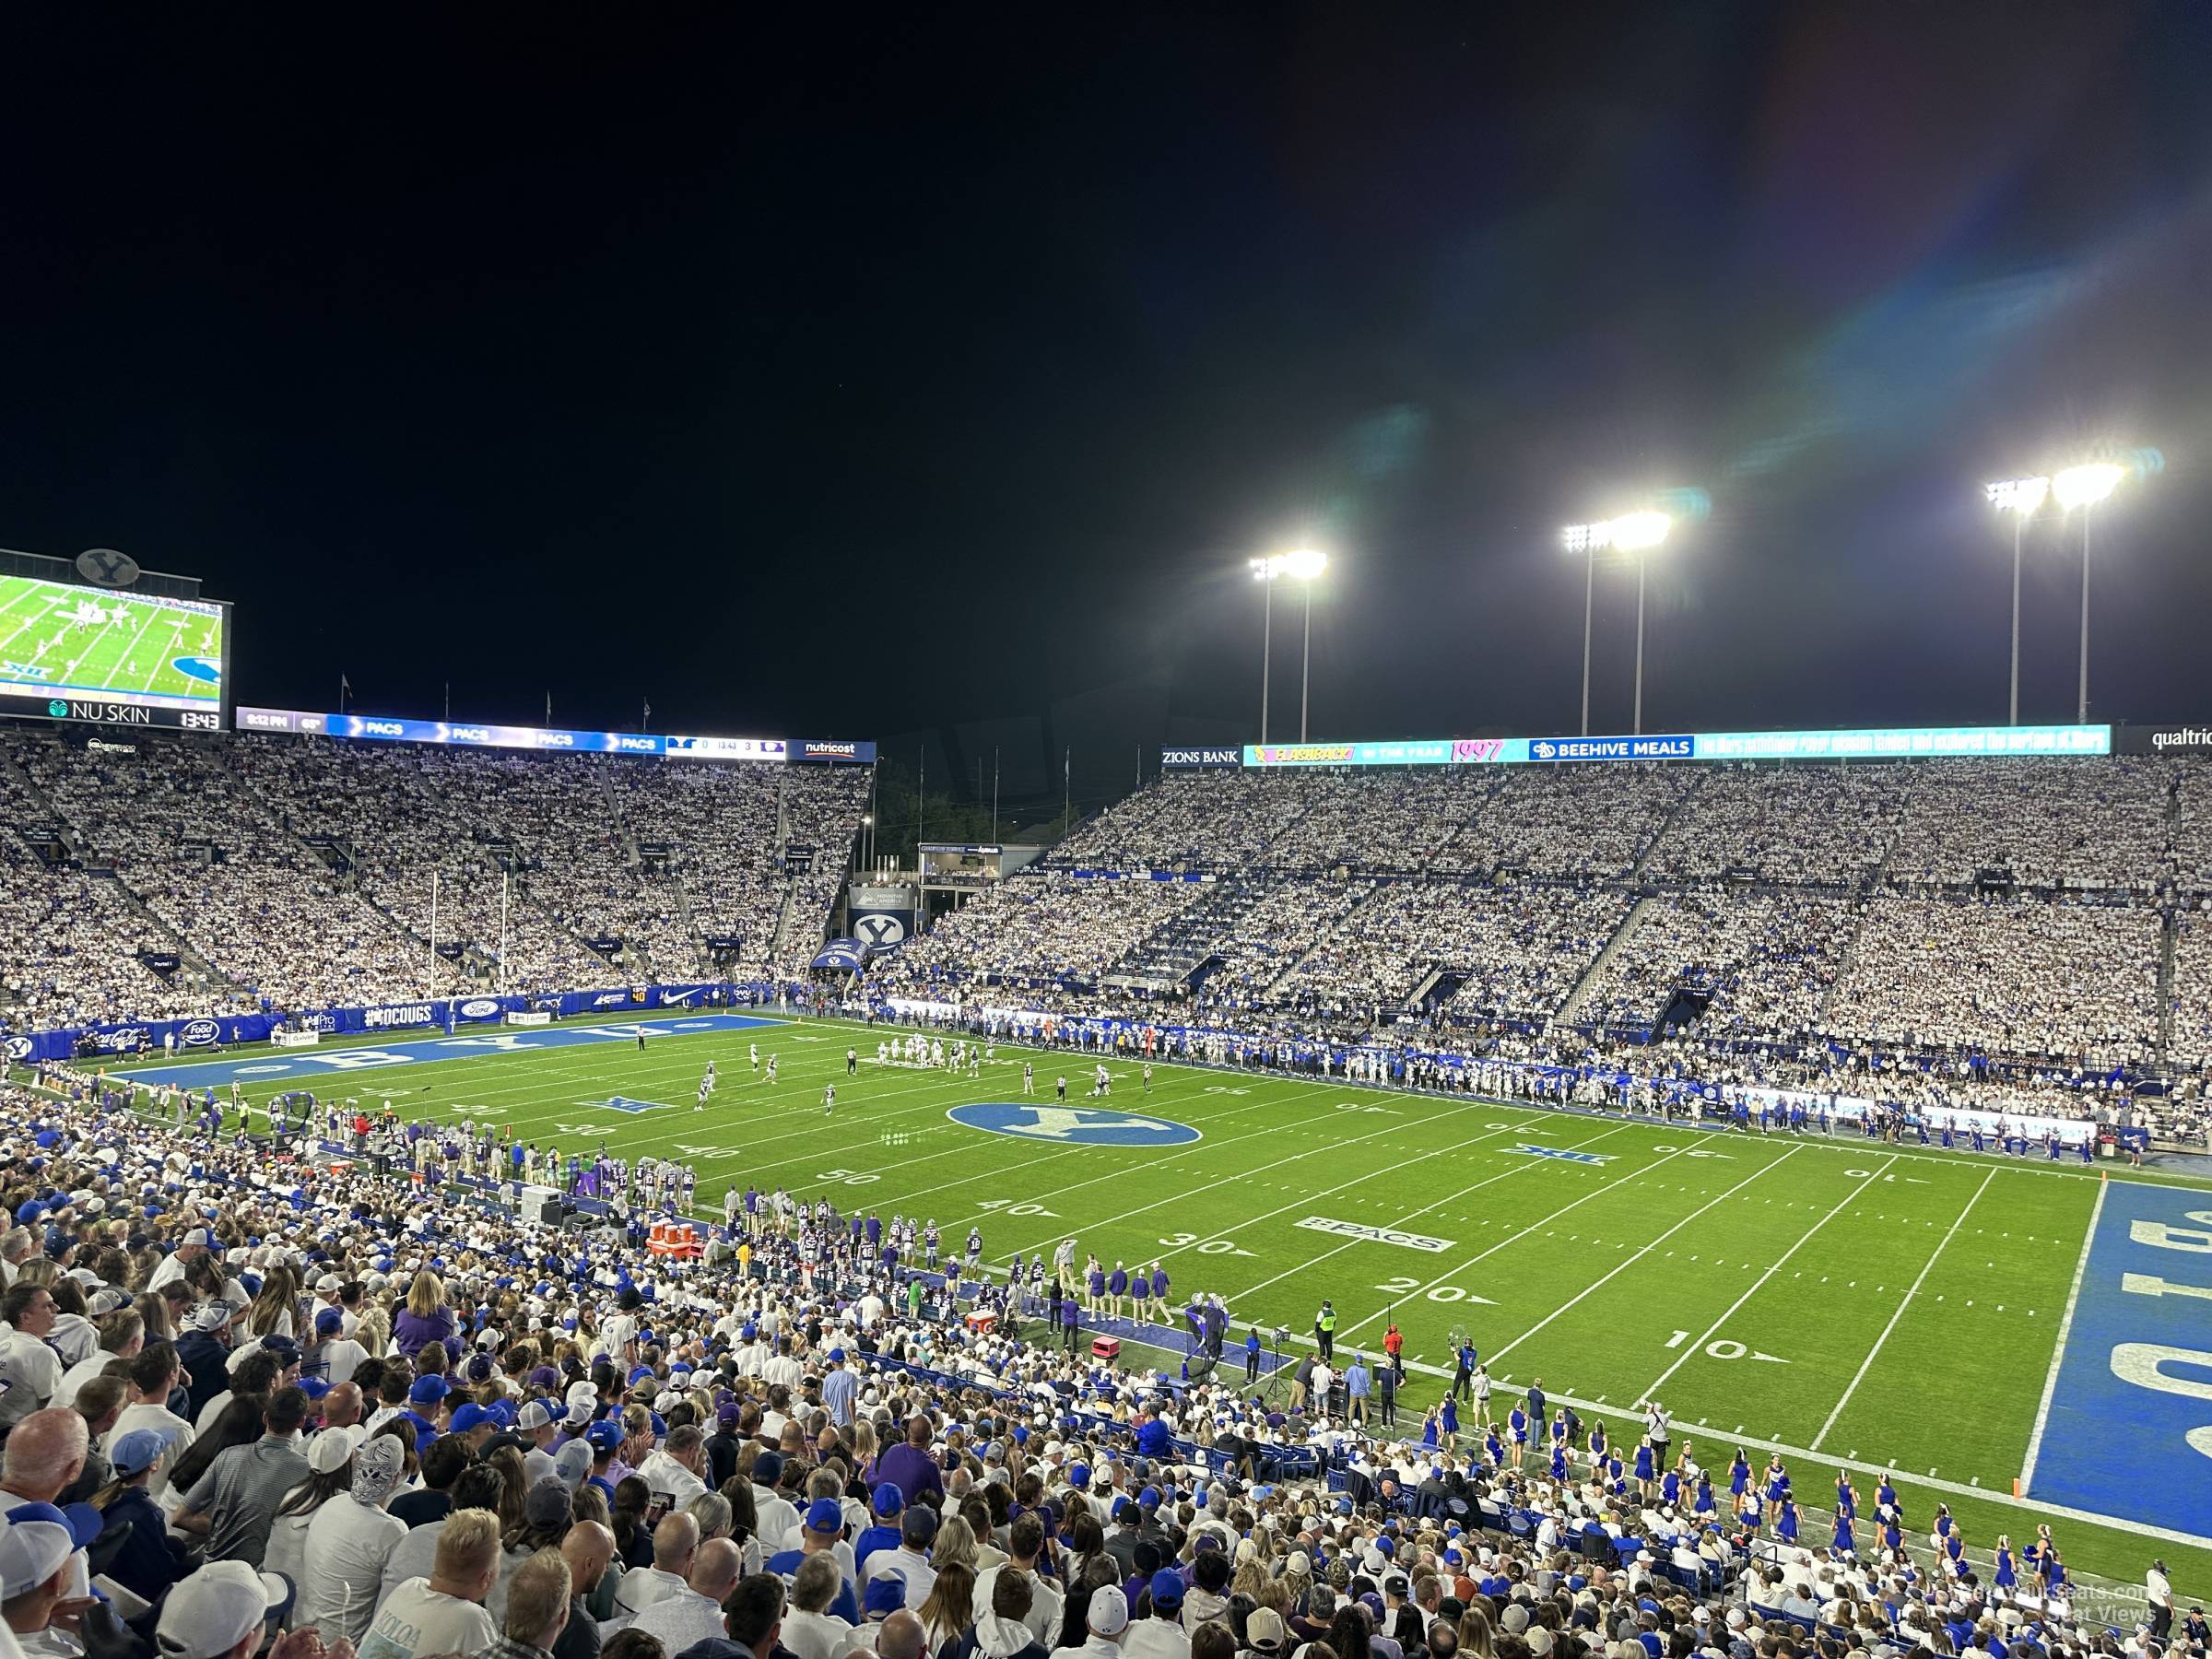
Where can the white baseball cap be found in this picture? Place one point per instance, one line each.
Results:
(37, 1539)
(1109, 1613)
(216, 1608)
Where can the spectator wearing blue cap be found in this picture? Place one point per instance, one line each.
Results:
(910, 1563)
(1162, 1635)
(820, 1530)
(426, 1405)
(886, 1503)
(150, 1559)
(605, 1442)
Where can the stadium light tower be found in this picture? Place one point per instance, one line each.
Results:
(2020, 497)
(1302, 567)
(1636, 533)
(2084, 487)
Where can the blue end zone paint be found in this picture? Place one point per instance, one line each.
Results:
(2119, 1446)
(311, 1063)
(1076, 1125)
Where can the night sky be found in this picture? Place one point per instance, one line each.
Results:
(932, 379)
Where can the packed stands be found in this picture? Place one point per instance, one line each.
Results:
(304, 871)
(2007, 918)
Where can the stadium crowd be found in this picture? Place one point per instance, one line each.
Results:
(2001, 927)
(260, 1393)
(301, 870)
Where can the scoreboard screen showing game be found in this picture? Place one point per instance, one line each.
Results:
(95, 655)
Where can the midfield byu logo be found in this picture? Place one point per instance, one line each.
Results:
(1079, 1126)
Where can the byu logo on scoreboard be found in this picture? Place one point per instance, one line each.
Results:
(1078, 1125)
(881, 931)
(107, 567)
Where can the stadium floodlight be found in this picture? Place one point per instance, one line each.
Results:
(2020, 497)
(1301, 565)
(2084, 487)
(1632, 532)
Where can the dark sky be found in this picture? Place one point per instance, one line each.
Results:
(921, 374)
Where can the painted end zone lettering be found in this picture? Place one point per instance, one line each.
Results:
(2129, 1431)
(1380, 1235)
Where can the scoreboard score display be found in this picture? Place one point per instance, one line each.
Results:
(110, 658)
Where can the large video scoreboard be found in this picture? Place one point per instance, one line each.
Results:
(90, 654)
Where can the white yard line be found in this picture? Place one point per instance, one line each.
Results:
(1691, 1349)
(1500, 1353)
(1241, 1175)
(1446, 1278)
(2058, 1354)
(1520, 1168)
(1929, 1266)
(28, 623)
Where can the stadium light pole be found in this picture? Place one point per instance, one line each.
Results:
(2020, 497)
(1302, 565)
(2084, 487)
(1636, 533)
(1262, 572)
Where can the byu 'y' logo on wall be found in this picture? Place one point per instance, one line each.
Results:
(880, 931)
(1076, 1125)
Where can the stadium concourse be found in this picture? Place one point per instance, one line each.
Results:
(246, 1381)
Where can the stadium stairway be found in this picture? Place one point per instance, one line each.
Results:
(2167, 931)
(1681, 805)
(190, 960)
(1571, 1009)
(1374, 896)
(1848, 958)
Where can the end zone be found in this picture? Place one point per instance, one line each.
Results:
(2128, 1429)
(313, 1063)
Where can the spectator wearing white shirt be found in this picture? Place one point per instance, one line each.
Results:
(693, 1613)
(443, 1613)
(342, 1568)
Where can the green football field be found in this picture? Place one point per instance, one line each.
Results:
(134, 644)
(1851, 1305)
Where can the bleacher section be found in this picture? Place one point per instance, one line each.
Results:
(1814, 916)
(304, 871)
